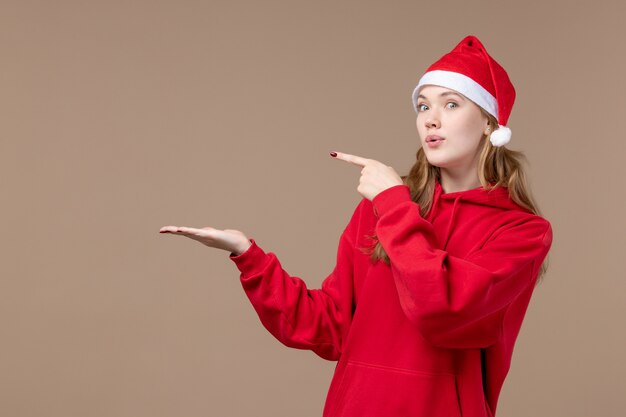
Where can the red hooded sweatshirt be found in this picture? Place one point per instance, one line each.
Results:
(432, 334)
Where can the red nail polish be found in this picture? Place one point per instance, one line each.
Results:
(333, 154)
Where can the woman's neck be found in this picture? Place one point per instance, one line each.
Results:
(452, 182)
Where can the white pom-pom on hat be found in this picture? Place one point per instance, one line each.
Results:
(501, 136)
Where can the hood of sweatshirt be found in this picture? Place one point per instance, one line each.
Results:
(497, 197)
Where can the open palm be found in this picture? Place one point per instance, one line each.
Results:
(230, 240)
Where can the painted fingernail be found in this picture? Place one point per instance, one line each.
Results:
(333, 154)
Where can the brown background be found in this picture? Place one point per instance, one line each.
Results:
(119, 117)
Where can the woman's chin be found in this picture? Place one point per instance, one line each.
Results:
(437, 160)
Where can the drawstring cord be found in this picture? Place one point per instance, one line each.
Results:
(451, 222)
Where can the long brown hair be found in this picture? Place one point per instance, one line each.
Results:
(497, 165)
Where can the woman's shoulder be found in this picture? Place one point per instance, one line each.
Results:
(362, 217)
(524, 225)
(529, 217)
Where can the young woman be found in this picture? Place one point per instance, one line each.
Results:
(435, 270)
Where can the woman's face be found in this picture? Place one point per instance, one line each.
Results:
(444, 112)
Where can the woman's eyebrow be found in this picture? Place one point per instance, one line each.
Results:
(445, 93)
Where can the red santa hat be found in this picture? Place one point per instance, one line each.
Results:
(470, 70)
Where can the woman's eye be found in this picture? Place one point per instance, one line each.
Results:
(420, 106)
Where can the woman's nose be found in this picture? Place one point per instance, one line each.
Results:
(432, 123)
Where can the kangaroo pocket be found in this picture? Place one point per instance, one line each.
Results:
(377, 391)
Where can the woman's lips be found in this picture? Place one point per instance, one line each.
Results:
(433, 137)
(434, 141)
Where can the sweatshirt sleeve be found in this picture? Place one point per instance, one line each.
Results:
(457, 302)
(300, 317)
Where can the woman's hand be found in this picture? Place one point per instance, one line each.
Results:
(375, 176)
(233, 241)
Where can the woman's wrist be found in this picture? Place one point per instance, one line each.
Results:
(242, 248)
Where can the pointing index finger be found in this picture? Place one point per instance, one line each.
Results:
(357, 160)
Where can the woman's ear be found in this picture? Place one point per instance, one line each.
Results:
(488, 129)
